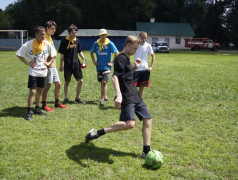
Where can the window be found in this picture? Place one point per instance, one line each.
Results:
(154, 41)
(178, 40)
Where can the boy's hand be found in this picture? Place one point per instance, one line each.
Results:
(137, 62)
(118, 101)
(33, 63)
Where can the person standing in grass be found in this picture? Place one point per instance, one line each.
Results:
(37, 51)
(52, 75)
(103, 48)
(69, 49)
(127, 96)
(142, 75)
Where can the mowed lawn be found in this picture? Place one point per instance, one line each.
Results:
(193, 98)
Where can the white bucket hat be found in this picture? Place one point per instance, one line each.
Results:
(103, 31)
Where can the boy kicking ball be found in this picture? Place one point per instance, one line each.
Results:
(127, 97)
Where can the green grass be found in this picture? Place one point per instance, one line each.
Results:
(193, 98)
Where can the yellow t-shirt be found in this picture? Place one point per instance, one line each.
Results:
(49, 39)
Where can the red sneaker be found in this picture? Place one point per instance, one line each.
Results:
(47, 108)
(61, 105)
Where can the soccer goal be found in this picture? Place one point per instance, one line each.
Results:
(11, 40)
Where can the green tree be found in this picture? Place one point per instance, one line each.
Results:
(232, 23)
(213, 24)
(29, 13)
(113, 14)
(5, 20)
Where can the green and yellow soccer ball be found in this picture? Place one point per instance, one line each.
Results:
(154, 159)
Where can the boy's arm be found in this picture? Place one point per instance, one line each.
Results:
(82, 56)
(49, 60)
(93, 59)
(61, 68)
(152, 62)
(117, 89)
(115, 55)
(31, 63)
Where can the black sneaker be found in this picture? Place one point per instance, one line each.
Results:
(66, 100)
(101, 103)
(39, 112)
(143, 155)
(79, 101)
(106, 99)
(92, 134)
(28, 115)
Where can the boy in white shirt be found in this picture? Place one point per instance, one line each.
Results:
(142, 75)
(52, 76)
(34, 53)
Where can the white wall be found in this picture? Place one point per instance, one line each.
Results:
(172, 40)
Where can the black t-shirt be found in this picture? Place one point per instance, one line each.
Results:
(124, 71)
(71, 59)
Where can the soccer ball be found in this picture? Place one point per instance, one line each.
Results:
(154, 159)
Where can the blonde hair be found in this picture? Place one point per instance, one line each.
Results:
(131, 40)
(143, 32)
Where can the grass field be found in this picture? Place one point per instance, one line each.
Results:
(193, 98)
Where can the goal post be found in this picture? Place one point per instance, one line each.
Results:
(18, 31)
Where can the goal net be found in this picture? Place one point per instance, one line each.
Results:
(11, 40)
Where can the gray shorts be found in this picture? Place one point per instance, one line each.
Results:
(52, 76)
(128, 111)
(103, 75)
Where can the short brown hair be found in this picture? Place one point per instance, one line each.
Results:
(48, 24)
(131, 40)
(72, 27)
(38, 29)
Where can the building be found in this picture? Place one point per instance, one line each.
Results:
(88, 36)
(175, 34)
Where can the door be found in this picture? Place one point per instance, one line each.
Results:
(167, 41)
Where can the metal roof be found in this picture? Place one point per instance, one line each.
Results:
(94, 32)
(174, 29)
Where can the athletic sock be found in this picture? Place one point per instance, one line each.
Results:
(146, 149)
(29, 109)
(43, 104)
(100, 132)
(37, 108)
(56, 101)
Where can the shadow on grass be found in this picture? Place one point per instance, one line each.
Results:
(89, 151)
(145, 166)
(72, 102)
(106, 107)
(15, 111)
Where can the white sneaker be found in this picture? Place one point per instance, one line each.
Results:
(92, 134)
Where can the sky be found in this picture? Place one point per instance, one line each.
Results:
(5, 3)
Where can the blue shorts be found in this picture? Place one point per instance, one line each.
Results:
(128, 111)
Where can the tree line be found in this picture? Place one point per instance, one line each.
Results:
(216, 19)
